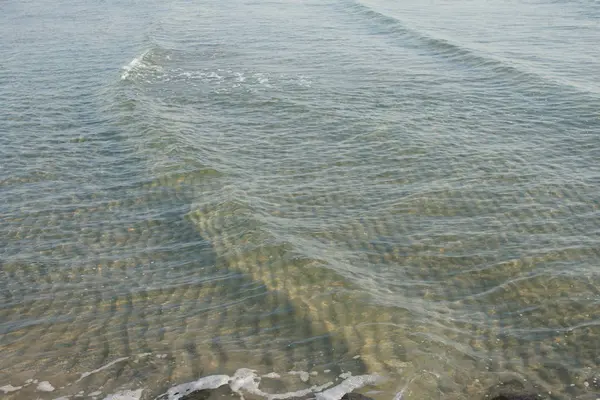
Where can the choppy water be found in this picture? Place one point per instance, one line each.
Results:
(365, 186)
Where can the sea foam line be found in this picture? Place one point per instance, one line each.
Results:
(110, 364)
(247, 380)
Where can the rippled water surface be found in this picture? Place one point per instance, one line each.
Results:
(387, 187)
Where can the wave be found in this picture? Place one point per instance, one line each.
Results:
(241, 244)
(160, 65)
(139, 65)
(307, 283)
(150, 63)
(448, 50)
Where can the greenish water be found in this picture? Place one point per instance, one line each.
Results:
(345, 186)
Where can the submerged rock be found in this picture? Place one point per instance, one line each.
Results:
(513, 390)
(223, 392)
(355, 396)
(198, 395)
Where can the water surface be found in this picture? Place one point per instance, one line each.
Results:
(366, 186)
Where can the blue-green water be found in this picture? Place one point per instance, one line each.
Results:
(364, 186)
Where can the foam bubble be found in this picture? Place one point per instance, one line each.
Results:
(246, 380)
(208, 382)
(125, 395)
(141, 66)
(345, 375)
(347, 386)
(299, 393)
(304, 376)
(110, 364)
(45, 386)
(272, 375)
(135, 63)
(10, 388)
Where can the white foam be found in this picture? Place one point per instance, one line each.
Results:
(208, 382)
(347, 386)
(62, 398)
(135, 63)
(304, 376)
(142, 67)
(125, 395)
(45, 386)
(299, 393)
(345, 375)
(272, 375)
(243, 381)
(10, 388)
(110, 364)
(94, 394)
(246, 380)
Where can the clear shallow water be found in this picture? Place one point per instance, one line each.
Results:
(374, 187)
